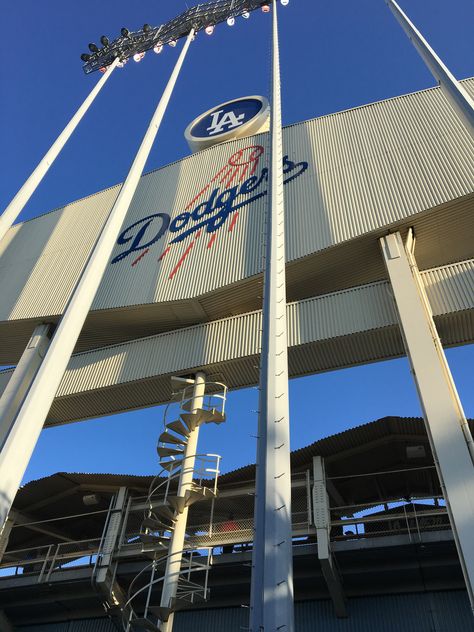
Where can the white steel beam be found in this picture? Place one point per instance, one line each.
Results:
(447, 428)
(22, 378)
(456, 94)
(175, 550)
(322, 522)
(5, 532)
(24, 434)
(18, 203)
(271, 603)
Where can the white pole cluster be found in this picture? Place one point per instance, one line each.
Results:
(29, 421)
(456, 94)
(272, 563)
(18, 203)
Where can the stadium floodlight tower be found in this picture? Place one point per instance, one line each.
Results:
(272, 577)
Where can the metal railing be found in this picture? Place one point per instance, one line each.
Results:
(395, 517)
(43, 561)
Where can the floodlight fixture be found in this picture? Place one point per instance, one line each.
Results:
(93, 48)
(104, 40)
(202, 17)
(85, 57)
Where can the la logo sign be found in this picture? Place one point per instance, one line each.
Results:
(234, 119)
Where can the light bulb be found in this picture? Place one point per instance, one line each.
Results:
(173, 43)
(246, 15)
(284, 2)
(122, 63)
(265, 8)
(158, 48)
(209, 30)
(138, 57)
(230, 21)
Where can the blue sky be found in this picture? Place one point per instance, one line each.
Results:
(335, 55)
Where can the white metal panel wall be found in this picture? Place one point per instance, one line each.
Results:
(343, 313)
(367, 168)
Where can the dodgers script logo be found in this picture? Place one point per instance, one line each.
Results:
(236, 185)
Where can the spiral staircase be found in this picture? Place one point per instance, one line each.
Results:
(143, 610)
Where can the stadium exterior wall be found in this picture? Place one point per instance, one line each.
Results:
(354, 172)
(427, 612)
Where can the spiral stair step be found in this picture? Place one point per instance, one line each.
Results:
(154, 524)
(164, 452)
(170, 464)
(167, 437)
(179, 427)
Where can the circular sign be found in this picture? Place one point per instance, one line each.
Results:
(234, 119)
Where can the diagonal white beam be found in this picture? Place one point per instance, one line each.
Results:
(456, 94)
(21, 198)
(29, 421)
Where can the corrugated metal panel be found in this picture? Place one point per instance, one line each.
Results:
(41, 260)
(369, 168)
(324, 333)
(322, 318)
(427, 612)
(85, 625)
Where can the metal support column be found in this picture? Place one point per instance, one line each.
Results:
(104, 576)
(24, 434)
(448, 432)
(15, 207)
(5, 535)
(173, 564)
(22, 378)
(272, 564)
(456, 94)
(322, 522)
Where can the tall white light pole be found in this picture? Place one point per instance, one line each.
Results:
(29, 421)
(271, 605)
(18, 203)
(456, 94)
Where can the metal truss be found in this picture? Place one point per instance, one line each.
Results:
(198, 18)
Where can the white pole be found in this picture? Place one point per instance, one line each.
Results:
(456, 94)
(173, 564)
(23, 436)
(271, 600)
(15, 207)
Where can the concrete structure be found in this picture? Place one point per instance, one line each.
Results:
(169, 303)
(386, 521)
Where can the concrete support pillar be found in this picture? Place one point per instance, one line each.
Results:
(22, 377)
(322, 522)
(448, 431)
